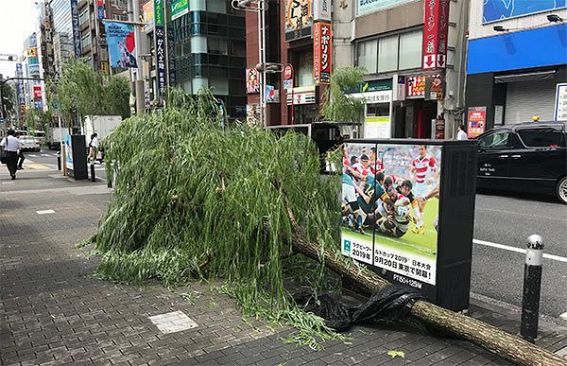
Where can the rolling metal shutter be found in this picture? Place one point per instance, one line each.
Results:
(529, 98)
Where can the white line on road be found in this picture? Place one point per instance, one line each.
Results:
(45, 212)
(46, 155)
(33, 155)
(517, 250)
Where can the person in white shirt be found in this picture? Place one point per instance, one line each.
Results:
(11, 149)
(93, 148)
(462, 134)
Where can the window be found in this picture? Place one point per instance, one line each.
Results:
(305, 72)
(217, 46)
(500, 141)
(542, 137)
(367, 55)
(410, 50)
(388, 54)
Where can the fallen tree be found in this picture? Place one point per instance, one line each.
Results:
(194, 200)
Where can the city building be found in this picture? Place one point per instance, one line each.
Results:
(517, 58)
(31, 69)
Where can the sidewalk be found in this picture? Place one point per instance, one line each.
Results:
(53, 312)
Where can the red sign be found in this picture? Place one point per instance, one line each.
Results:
(37, 92)
(415, 86)
(322, 41)
(435, 29)
(476, 121)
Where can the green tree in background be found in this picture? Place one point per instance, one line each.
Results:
(338, 106)
(8, 99)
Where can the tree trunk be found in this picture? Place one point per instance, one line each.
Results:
(493, 339)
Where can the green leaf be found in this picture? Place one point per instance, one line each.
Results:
(394, 353)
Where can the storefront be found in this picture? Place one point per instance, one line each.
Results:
(377, 95)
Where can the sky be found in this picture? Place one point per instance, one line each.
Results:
(18, 19)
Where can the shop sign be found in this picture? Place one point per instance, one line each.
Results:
(179, 8)
(36, 92)
(160, 58)
(20, 85)
(370, 6)
(288, 78)
(271, 94)
(377, 85)
(31, 52)
(415, 86)
(104, 67)
(302, 95)
(76, 29)
(322, 43)
(322, 10)
(253, 115)
(148, 14)
(252, 81)
(374, 97)
(387, 242)
(476, 121)
(435, 30)
(158, 13)
(561, 102)
(434, 87)
(171, 56)
(298, 19)
(101, 13)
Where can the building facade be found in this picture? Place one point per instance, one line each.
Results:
(517, 58)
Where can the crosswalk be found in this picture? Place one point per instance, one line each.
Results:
(52, 155)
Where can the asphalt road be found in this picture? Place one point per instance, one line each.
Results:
(509, 220)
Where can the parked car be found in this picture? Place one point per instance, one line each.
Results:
(528, 157)
(29, 143)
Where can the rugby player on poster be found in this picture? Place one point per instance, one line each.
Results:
(423, 169)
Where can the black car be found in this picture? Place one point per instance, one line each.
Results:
(528, 157)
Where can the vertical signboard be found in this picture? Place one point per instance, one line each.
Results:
(171, 56)
(121, 44)
(100, 9)
(390, 208)
(298, 19)
(159, 39)
(252, 81)
(322, 43)
(435, 30)
(76, 30)
(179, 8)
(148, 14)
(322, 10)
(561, 102)
(476, 121)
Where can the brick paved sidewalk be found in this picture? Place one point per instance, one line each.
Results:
(53, 312)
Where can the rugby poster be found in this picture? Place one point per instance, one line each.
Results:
(390, 208)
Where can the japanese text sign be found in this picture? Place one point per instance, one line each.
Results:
(322, 52)
(435, 30)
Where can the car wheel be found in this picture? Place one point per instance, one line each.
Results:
(562, 190)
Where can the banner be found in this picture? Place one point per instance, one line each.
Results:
(37, 93)
(160, 58)
(322, 52)
(476, 121)
(76, 30)
(435, 30)
(121, 44)
(179, 8)
(148, 14)
(158, 13)
(252, 81)
(298, 19)
(100, 9)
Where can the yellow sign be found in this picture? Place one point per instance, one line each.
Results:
(298, 19)
(32, 52)
(379, 119)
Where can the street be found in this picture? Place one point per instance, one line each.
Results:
(509, 220)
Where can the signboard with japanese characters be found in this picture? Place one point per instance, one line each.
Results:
(252, 81)
(322, 51)
(561, 102)
(435, 30)
(369, 6)
(476, 121)
(288, 78)
(322, 10)
(302, 95)
(415, 86)
(37, 92)
(76, 29)
(298, 19)
(160, 59)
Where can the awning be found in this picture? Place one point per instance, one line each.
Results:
(528, 76)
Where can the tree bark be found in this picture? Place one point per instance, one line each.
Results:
(495, 340)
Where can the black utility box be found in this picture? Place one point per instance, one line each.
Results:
(408, 213)
(76, 156)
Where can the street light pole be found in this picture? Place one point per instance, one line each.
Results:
(138, 80)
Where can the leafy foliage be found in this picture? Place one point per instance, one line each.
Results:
(8, 98)
(338, 105)
(90, 92)
(195, 200)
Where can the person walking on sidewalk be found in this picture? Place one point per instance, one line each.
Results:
(462, 134)
(93, 148)
(21, 156)
(11, 147)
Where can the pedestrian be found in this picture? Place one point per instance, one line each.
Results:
(462, 134)
(11, 147)
(93, 148)
(21, 156)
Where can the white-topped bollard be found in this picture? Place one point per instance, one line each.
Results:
(532, 288)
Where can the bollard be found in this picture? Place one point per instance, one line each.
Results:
(532, 288)
(59, 160)
(93, 179)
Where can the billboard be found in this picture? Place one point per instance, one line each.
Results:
(121, 44)
(476, 121)
(148, 15)
(322, 52)
(370, 6)
(298, 19)
(179, 8)
(497, 10)
(435, 31)
(390, 208)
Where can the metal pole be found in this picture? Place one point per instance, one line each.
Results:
(1, 100)
(139, 81)
(532, 288)
(262, 60)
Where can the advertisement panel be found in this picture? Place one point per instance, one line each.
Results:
(179, 8)
(435, 31)
(370, 6)
(561, 102)
(253, 115)
(37, 93)
(148, 14)
(160, 58)
(476, 121)
(158, 13)
(322, 10)
(69, 152)
(121, 44)
(76, 30)
(100, 9)
(497, 10)
(252, 81)
(171, 56)
(298, 19)
(390, 208)
(415, 86)
(322, 51)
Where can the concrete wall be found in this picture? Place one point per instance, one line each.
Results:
(401, 17)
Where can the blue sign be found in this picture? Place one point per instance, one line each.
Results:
(76, 29)
(121, 44)
(496, 10)
(69, 152)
